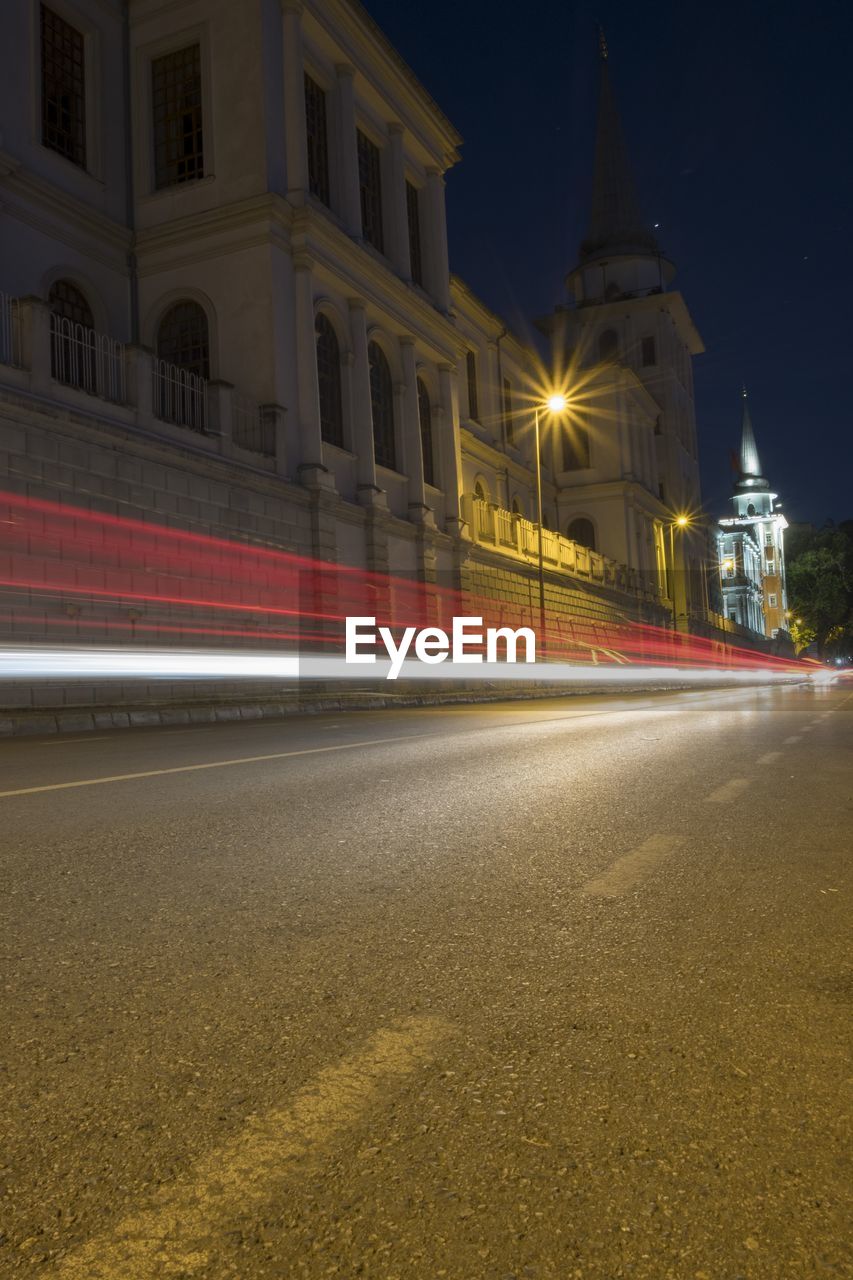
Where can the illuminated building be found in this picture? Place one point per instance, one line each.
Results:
(226, 302)
(751, 546)
(629, 464)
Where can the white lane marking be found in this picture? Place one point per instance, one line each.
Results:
(65, 742)
(173, 1235)
(211, 764)
(789, 742)
(632, 868)
(807, 728)
(769, 757)
(728, 791)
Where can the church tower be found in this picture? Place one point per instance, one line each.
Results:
(627, 332)
(751, 544)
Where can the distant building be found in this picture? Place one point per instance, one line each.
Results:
(751, 546)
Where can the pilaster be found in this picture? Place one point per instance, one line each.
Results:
(295, 138)
(350, 194)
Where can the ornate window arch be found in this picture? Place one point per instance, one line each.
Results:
(382, 407)
(183, 337)
(329, 381)
(582, 531)
(425, 420)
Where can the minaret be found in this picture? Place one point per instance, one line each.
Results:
(754, 534)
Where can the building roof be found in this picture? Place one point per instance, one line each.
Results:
(616, 224)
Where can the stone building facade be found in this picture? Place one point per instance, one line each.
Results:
(227, 305)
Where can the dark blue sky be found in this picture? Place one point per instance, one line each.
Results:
(739, 125)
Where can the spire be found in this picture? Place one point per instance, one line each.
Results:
(750, 466)
(616, 225)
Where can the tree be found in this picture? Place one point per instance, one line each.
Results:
(820, 588)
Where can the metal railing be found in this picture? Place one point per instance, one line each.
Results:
(10, 331)
(82, 357)
(251, 428)
(180, 396)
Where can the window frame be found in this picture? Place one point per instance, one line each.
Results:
(92, 59)
(143, 115)
(335, 443)
(173, 163)
(413, 224)
(324, 196)
(472, 381)
(507, 410)
(374, 150)
(391, 424)
(646, 343)
(427, 437)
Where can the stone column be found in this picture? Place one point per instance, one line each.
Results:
(220, 409)
(450, 449)
(139, 381)
(350, 192)
(398, 219)
(295, 135)
(419, 512)
(438, 284)
(310, 469)
(369, 493)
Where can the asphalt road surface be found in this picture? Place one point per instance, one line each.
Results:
(546, 989)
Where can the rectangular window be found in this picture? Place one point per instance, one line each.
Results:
(771, 600)
(471, 370)
(509, 424)
(413, 212)
(649, 354)
(575, 448)
(768, 537)
(318, 143)
(176, 107)
(370, 182)
(63, 88)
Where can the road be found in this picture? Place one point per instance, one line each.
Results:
(543, 989)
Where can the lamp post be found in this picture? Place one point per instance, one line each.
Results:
(555, 404)
(681, 522)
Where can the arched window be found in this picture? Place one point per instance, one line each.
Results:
(382, 407)
(582, 531)
(72, 347)
(608, 345)
(516, 507)
(425, 419)
(480, 492)
(183, 340)
(66, 300)
(329, 379)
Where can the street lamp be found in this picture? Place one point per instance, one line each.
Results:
(681, 522)
(555, 403)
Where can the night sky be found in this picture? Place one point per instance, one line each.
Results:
(739, 126)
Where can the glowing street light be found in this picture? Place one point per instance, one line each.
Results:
(680, 522)
(555, 403)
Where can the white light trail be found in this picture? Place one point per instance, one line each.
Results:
(40, 663)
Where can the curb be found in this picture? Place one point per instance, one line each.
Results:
(81, 720)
